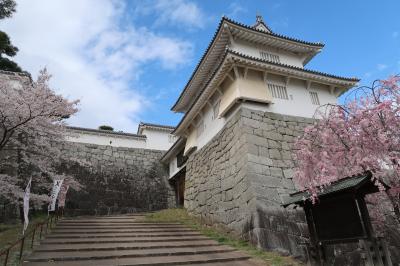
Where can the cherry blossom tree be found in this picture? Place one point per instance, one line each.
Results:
(32, 125)
(361, 135)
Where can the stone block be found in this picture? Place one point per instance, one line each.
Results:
(275, 154)
(288, 173)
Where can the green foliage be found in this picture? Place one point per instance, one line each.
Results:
(105, 127)
(8, 65)
(7, 8)
(181, 216)
(10, 233)
(6, 46)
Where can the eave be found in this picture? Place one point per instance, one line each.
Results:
(294, 71)
(174, 150)
(227, 29)
(231, 58)
(100, 132)
(142, 126)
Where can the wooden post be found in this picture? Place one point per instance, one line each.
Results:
(6, 259)
(33, 236)
(41, 230)
(22, 248)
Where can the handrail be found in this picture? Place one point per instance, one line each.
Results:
(53, 218)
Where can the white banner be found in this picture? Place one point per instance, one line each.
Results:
(63, 194)
(26, 205)
(54, 193)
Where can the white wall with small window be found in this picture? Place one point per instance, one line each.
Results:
(211, 123)
(289, 97)
(268, 53)
(314, 98)
(294, 99)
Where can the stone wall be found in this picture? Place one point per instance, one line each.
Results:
(239, 179)
(216, 187)
(117, 180)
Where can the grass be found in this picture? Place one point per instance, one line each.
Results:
(181, 216)
(9, 233)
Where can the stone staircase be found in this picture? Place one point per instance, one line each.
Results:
(125, 240)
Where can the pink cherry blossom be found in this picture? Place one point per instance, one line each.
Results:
(361, 135)
(31, 128)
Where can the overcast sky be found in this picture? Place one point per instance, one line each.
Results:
(127, 61)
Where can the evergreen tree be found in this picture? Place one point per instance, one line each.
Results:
(7, 8)
(6, 48)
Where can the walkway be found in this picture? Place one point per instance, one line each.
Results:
(125, 240)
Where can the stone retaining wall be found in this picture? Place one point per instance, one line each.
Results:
(239, 179)
(117, 180)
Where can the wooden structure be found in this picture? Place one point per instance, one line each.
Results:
(340, 215)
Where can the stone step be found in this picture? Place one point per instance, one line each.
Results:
(123, 240)
(117, 254)
(122, 246)
(117, 224)
(63, 227)
(101, 231)
(113, 235)
(126, 216)
(126, 219)
(231, 263)
(202, 259)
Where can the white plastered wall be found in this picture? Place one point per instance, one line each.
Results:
(157, 139)
(285, 57)
(298, 104)
(108, 140)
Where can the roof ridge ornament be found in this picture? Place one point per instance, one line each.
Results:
(259, 18)
(260, 24)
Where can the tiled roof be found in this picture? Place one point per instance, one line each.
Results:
(337, 186)
(317, 44)
(293, 67)
(167, 154)
(204, 87)
(106, 132)
(224, 18)
(156, 125)
(162, 127)
(229, 51)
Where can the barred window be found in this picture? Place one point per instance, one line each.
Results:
(270, 57)
(171, 138)
(216, 109)
(278, 91)
(314, 98)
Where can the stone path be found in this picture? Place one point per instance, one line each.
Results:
(125, 240)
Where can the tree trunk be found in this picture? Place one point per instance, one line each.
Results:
(395, 200)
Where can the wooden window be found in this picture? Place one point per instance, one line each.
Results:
(314, 98)
(270, 57)
(278, 91)
(216, 109)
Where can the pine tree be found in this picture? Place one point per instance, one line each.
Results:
(6, 48)
(7, 8)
